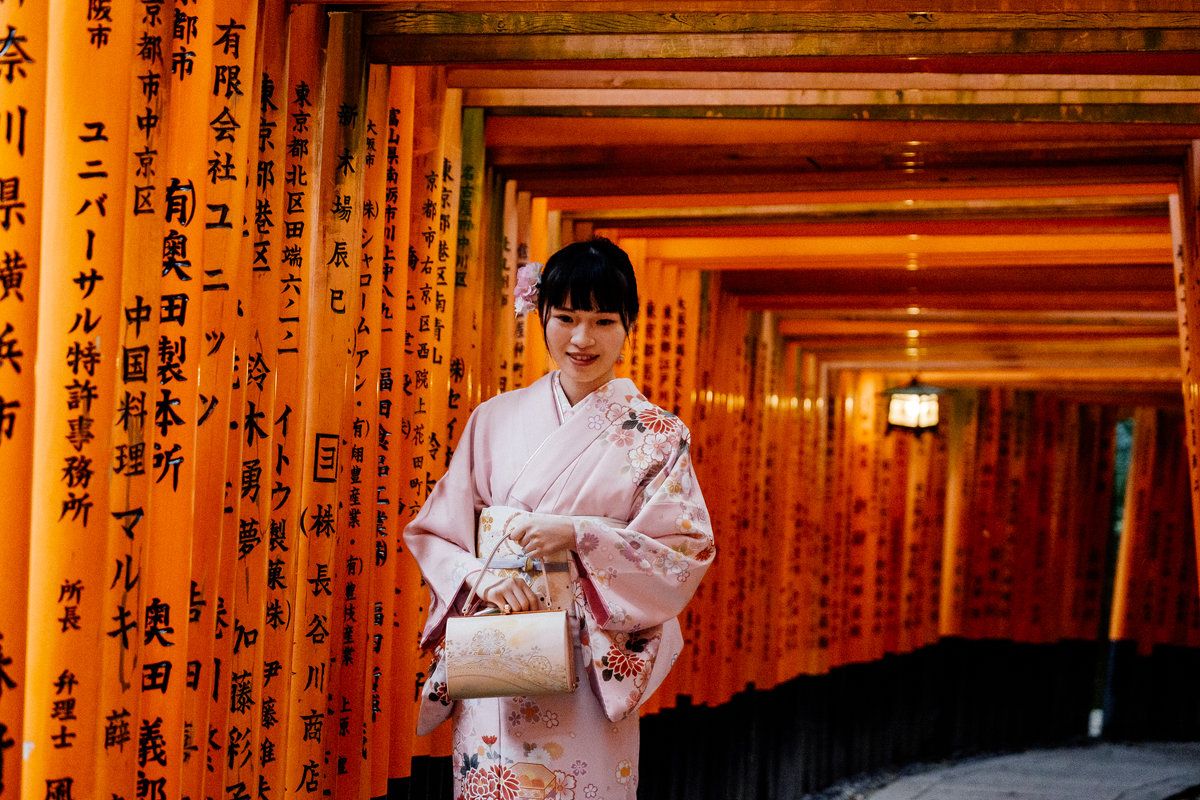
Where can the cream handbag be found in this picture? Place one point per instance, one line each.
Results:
(492, 654)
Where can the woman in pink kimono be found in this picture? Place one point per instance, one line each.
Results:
(588, 476)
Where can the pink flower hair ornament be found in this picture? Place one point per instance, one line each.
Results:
(525, 295)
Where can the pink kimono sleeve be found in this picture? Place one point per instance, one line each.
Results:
(642, 575)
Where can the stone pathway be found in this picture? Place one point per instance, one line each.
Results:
(1103, 771)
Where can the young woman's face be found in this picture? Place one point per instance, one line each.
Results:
(585, 345)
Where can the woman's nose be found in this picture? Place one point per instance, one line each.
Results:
(581, 334)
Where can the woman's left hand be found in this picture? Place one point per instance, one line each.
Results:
(542, 535)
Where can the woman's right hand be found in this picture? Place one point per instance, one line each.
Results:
(510, 594)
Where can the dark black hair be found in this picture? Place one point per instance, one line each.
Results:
(594, 275)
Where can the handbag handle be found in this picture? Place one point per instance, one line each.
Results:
(488, 562)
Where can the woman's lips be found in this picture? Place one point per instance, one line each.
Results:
(582, 360)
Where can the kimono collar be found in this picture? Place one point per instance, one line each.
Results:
(561, 402)
(553, 449)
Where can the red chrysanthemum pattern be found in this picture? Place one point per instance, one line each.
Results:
(655, 420)
(496, 782)
(622, 664)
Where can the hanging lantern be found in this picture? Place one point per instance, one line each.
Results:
(913, 407)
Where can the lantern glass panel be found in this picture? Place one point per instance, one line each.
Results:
(913, 410)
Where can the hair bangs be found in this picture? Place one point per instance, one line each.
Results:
(590, 276)
(591, 287)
